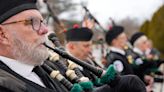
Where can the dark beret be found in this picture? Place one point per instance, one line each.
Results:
(79, 34)
(113, 33)
(9, 8)
(136, 36)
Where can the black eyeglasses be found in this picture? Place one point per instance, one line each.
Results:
(35, 22)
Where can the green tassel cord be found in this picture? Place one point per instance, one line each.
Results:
(86, 85)
(109, 75)
(96, 82)
(76, 88)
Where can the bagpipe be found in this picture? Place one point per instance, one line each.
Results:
(89, 15)
(105, 76)
(61, 71)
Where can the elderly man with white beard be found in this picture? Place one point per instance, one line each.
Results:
(22, 34)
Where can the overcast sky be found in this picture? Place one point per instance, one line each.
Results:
(118, 9)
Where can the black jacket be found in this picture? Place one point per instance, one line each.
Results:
(10, 81)
(114, 56)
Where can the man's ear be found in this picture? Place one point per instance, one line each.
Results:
(3, 37)
(114, 41)
(71, 46)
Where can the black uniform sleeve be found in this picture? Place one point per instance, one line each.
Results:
(3, 89)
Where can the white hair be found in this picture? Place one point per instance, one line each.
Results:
(140, 40)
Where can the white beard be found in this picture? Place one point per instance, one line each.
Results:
(29, 53)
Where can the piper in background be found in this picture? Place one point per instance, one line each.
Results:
(79, 42)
